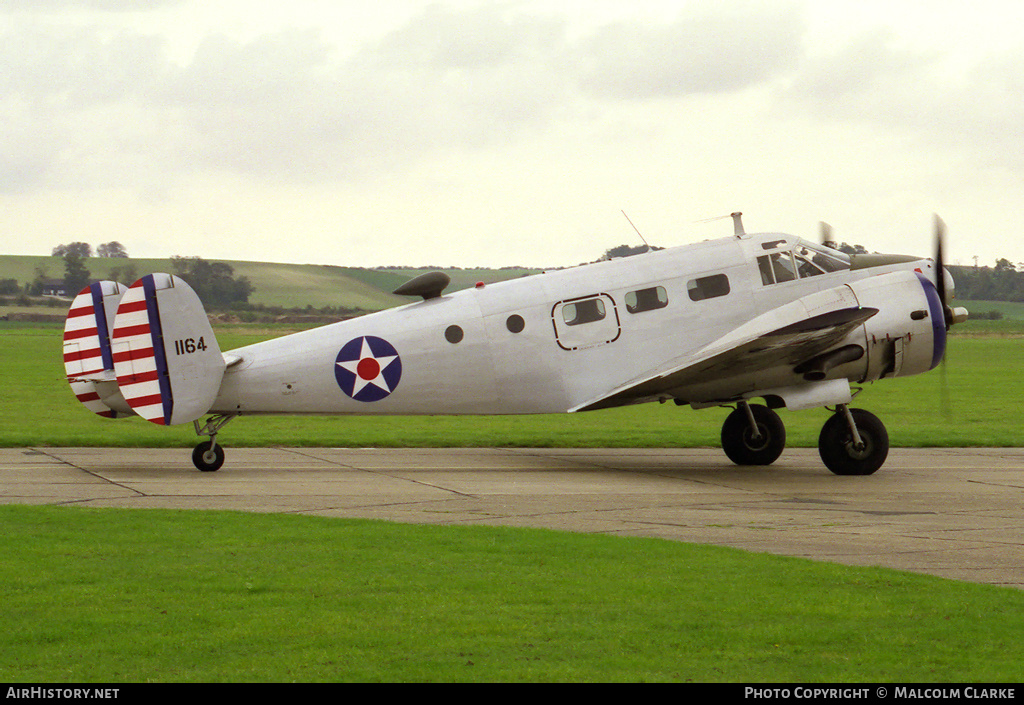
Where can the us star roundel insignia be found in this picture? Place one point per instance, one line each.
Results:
(368, 368)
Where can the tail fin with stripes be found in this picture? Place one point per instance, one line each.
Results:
(166, 359)
(88, 360)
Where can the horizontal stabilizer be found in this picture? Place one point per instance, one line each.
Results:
(88, 361)
(168, 363)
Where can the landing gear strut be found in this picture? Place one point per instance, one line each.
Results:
(208, 456)
(753, 435)
(853, 442)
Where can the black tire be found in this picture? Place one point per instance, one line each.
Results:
(742, 447)
(208, 456)
(835, 444)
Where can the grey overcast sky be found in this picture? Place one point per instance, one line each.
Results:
(502, 133)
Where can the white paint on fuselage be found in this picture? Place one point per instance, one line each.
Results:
(493, 370)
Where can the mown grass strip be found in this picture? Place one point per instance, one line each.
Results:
(151, 595)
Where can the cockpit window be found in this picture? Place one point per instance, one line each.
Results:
(806, 267)
(776, 268)
(804, 261)
(826, 258)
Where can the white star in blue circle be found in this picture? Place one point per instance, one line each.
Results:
(368, 369)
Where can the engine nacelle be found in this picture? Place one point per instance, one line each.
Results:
(908, 335)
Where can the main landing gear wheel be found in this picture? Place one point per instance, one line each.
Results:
(846, 452)
(208, 456)
(753, 435)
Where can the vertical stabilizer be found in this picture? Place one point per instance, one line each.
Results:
(88, 360)
(167, 361)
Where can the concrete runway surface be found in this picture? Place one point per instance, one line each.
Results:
(956, 513)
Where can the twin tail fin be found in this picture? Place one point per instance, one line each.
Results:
(147, 349)
(88, 359)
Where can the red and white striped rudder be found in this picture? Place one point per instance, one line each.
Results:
(88, 360)
(167, 361)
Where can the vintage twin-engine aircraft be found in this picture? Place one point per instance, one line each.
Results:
(717, 323)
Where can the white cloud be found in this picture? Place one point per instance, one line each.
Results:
(287, 105)
(508, 121)
(713, 51)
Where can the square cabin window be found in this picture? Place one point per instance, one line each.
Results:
(586, 311)
(708, 287)
(646, 299)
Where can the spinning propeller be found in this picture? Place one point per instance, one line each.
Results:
(950, 315)
(940, 270)
(940, 287)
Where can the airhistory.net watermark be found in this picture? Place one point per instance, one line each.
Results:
(55, 693)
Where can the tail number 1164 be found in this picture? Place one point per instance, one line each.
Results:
(189, 346)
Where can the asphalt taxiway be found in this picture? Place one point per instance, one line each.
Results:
(956, 513)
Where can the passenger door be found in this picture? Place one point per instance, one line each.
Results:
(586, 322)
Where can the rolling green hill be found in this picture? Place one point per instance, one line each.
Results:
(298, 286)
(284, 285)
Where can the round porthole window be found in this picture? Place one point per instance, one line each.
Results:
(454, 334)
(515, 323)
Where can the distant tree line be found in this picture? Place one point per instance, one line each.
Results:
(627, 251)
(1004, 282)
(214, 282)
(76, 274)
(84, 250)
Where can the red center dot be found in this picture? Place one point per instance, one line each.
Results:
(368, 368)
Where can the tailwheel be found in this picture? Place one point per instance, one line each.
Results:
(753, 435)
(208, 456)
(853, 442)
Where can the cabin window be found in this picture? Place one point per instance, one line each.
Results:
(587, 311)
(585, 323)
(708, 287)
(454, 334)
(646, 299)
(515, 323)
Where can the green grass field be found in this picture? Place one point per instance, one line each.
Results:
(159, 596)
(983, 384)
(132, 596)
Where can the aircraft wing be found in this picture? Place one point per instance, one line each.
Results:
(786, 336)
